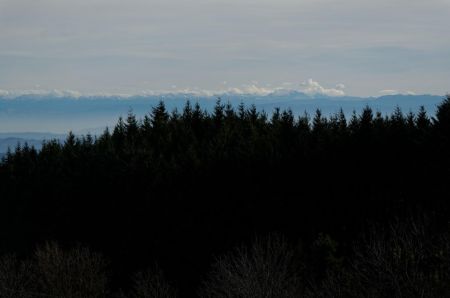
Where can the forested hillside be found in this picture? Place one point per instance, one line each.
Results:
(324, 202)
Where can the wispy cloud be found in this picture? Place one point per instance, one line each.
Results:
(312, 87)
(396, 92)
(54, 93)
(309, 88)
(388, 92)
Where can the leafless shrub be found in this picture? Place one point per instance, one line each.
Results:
(266, 269)
(15, 278)
(152, 284)
(76, 273)
(404, 261)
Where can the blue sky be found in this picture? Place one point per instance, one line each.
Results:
(356, 47)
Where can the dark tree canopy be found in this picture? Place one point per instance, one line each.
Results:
(182, 187)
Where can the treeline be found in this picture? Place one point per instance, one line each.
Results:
(179, 188)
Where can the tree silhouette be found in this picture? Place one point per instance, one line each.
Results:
(176, 188)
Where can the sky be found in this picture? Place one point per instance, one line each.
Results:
(336, 47)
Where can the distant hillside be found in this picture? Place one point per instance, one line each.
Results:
(11, 140)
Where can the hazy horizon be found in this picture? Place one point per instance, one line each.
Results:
(62, 112)
(302, 55)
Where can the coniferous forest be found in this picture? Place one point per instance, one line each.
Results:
(232, 203)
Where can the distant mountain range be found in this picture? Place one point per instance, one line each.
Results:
(12, 140)
(56, 115)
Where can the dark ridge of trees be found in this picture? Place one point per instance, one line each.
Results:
(181, 188)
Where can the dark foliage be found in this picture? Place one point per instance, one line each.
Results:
(179, 188)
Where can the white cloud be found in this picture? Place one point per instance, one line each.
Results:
(396, 92)
(312, 87)
(250, 89)
(340, 86)
(65, 93)
(388, 92)
(255, 89)
(54, 93)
